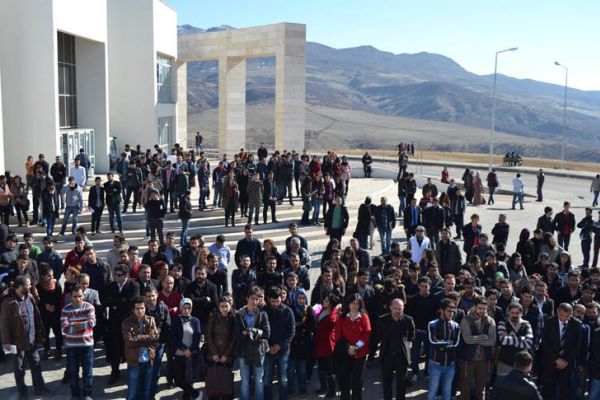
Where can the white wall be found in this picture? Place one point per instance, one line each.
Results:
(165, 29)
(131, 72)
(29, 81)
(85, 18)
(1, 131)
(92, 95)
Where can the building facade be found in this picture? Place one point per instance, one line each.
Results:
(59, 63)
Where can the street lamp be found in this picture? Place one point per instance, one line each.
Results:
(492, 133)
(564, 125)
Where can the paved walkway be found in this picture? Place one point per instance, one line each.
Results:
(210, 223)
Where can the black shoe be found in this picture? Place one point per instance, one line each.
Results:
(275, 221)
(114, 378)
(42, 392)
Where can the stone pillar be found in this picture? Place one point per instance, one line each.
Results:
(232, 104)
(290, 90)
(181, 134)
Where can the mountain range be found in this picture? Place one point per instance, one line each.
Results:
(421, 86)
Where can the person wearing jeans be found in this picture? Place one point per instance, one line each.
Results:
(517, 191)
(564, 224)
(283, 328)
(112, 191)
(50, 207)
(74, 204)
(252, 331)
(159, 311)
(140, 337)
(385, 219)
(444, 337)
(78, 319)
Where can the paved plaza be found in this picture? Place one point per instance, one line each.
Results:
(210, 223)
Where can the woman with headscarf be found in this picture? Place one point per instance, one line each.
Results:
(183, 346)
(478, 198)
(301, 347)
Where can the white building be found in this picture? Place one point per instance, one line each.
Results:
(57, 73)
(142, 49)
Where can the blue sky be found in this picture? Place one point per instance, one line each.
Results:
(468, 31)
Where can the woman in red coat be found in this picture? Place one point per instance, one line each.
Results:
(324, 344)
(352, 333)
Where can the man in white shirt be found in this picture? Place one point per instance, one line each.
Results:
(78, 172)
(223, 251)
(517, 191)
(418, 243)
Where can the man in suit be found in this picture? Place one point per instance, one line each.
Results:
(561, 340)
(96, 202)
(269, 197)
(396, 332)
(118, 297)
(168, 181)
(412, 218)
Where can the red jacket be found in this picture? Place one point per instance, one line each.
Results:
(324, 340)
(355, 331)
(72, 260)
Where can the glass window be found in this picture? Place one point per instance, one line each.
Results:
(165, 133)
(164, 79)
(67, 90)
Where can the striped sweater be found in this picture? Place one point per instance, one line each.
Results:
(83, 335)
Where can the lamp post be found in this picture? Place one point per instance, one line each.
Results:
(493, 129)
(564, 125)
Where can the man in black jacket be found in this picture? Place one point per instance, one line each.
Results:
(269, 197)
(385, 221)
(396, 332)
(561, 340)
(96, 203)
(433, 219)
(586, 225)
(283, 328)
(58, 172)
(545, 222)
(448, 254)
(203, 294)
(517, 385)
(117, 297)
(336, 220)
(112, 192)
(249, 246)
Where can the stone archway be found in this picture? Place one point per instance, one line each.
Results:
(286, 42)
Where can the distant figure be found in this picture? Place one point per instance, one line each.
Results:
(595, 188)
(517, 191)
(84, 160)
(445, 176)
(199, 144)
(540, 184)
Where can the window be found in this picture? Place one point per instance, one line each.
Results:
(164, 79)
(165, 133)
(67, 88)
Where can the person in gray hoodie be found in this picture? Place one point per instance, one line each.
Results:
(74, 204)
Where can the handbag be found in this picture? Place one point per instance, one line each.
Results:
(219, 380)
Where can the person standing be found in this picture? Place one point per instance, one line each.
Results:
(396, 332)
(162, 318)
(50, 207)
(252, 332)
(255, 197)
(385, 220)
(156, 210)
(96, 201)
(140, 338)
(74, 204)
(84, 160)
(77, 320)
(5, 201)
(540, 185)
(478, 331)
(282, 326)
(118, 297)
(492, 184)
(517, 384)
(514, 335)
(444, 337)
(270, 197)
(133, 183)
(561, 339)
(367, 160)
(595, 188)
(433, 219)
(220, 343)
(199, 139)
(336, 220)
(587, 227)
(112, 192)
(22, 329)
(518, 186)
(78, 172)
(351, 334)
(412, 218)
(185, 215)
(459, 206)
(230, 196)
(564, 224)
(58, 172)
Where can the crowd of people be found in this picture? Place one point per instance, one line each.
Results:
(483, 319)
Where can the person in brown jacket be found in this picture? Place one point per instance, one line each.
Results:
(140, 337)
(220, 340)
(23, 334)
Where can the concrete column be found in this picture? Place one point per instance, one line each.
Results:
(290, 91)
(232, 104)
(181, 134)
